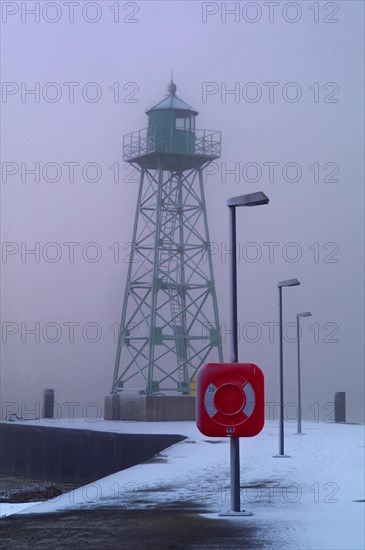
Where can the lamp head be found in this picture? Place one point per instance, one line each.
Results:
(251, 199)
(289, 282)
(304, 314)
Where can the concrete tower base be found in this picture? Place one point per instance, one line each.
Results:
(149, 408)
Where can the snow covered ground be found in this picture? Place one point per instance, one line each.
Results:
(312, 500)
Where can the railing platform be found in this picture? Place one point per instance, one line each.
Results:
(201, 143)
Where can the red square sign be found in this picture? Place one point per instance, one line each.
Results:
(230, 399)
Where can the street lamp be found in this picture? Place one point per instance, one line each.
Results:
(281, 284)
(251, 199)
(304, 314)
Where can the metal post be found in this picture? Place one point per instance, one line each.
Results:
(281, 284)
(299, 429)
(281, 381)
(233, 282)
(235, 474)
(235, 442)
(340, 406)
(48, 403)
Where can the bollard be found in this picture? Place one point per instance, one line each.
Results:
(48, 403)
(340, 406)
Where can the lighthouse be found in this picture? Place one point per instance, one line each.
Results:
(169, 323)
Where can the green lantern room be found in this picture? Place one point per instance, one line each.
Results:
(171, 139)
(172, 122)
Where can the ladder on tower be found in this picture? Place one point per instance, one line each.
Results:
(172, 278)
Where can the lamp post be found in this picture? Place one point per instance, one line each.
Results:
(299, 423)
(281, 284)
(251, 199)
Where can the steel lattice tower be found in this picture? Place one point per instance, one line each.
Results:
(169, 325)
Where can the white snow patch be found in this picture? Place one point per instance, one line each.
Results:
(308, 500)
(7, 509)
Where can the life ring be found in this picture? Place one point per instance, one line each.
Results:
(229, 399)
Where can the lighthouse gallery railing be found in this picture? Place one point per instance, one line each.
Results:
(167, 140)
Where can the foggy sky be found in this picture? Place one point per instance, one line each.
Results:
(324, 126)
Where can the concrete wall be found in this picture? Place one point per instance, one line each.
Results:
(67, 454)
(152, 408)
